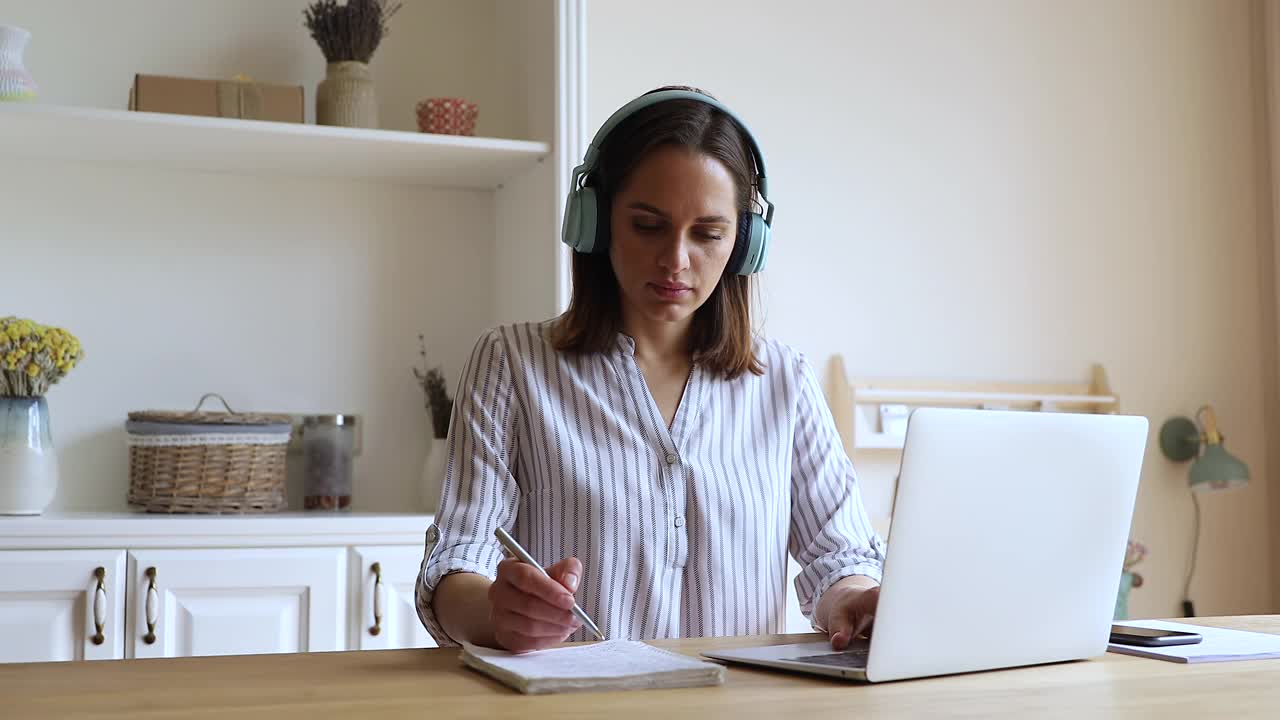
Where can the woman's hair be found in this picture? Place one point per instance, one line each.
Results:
(722, 337)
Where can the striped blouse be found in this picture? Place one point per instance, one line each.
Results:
(682, 531)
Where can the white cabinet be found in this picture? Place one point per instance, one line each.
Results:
(175, 586)
(61, 605)
(384, 615)
(232, 601)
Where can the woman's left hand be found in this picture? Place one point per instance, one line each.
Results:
(848, 609)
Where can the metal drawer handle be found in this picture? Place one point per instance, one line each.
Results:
(153, 603)
(377, 599)
(99, 606)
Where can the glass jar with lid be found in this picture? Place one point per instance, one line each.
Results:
(328, 449)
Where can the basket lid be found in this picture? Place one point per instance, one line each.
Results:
(199, 417)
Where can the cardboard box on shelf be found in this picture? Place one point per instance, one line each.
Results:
(238, 98)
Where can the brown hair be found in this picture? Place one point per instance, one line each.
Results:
(722, 339)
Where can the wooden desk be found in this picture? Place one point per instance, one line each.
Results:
(431, 684)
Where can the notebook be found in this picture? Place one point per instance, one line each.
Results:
(1218, 645)
(609, 665)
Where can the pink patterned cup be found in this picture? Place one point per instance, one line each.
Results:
(447, 116)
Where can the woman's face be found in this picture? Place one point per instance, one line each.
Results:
(673, 226)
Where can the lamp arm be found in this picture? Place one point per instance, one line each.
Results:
(1209, 423)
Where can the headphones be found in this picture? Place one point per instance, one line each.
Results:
(586, 221)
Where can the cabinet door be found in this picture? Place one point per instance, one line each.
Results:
(61, 605)
(236, 601)
(384, 614)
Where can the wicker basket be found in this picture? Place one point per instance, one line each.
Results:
(207, 462)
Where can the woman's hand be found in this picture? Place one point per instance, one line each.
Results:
(848, 609)
(530, 611)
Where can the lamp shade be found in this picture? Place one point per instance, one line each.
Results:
(1217, 469)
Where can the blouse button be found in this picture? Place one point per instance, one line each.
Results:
(671, 458)
(679, 522)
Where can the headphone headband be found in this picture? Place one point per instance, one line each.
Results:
(653, 98)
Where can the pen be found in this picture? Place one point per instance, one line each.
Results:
(510, 544)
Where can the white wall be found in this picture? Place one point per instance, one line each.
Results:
(294, 295)
(1007, 190)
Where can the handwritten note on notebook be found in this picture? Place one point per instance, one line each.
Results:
(610, 665)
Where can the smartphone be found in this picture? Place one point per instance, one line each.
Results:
(1151, 637)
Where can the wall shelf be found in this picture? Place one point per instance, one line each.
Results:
(855, 404)
(250, 147)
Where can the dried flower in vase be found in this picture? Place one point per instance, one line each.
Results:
(1134, 553)
(33, 357)
(351, 31)
(436, 397)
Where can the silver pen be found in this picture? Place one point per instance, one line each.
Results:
(514, 547)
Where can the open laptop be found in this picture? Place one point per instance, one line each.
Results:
(1006, 547)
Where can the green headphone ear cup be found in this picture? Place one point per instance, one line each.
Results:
(582, 205)
(761, 236)
(603, 225)
(756, 237)
(589, 225)
(569, 225)
(741, 241)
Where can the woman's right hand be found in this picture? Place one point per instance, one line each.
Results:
(530, 611)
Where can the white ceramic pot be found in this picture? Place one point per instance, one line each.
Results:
(28, 463)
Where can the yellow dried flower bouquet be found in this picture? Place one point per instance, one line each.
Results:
(34, 356)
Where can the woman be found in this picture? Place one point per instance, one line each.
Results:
(645, 441)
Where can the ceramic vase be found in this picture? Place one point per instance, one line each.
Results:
(1122, 597)
(28, 463)
(346, 96)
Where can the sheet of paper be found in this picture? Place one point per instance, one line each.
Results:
(609, 659)
(1218, 645)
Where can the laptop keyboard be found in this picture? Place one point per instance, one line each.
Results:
(854, 658)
